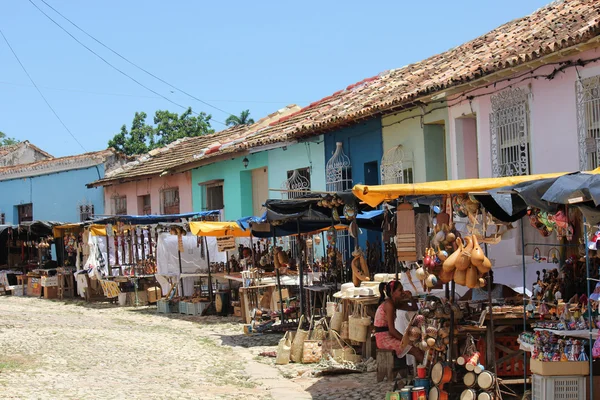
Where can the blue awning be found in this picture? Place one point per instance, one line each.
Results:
(153, 219)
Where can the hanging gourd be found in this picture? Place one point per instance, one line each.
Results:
(450, 263)
(464, 259)
(460, 277)
(472, 278)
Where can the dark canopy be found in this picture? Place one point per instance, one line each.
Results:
(153, 219)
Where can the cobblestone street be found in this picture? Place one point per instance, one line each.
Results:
(75, 350)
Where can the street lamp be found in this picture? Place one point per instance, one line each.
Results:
(246, 162)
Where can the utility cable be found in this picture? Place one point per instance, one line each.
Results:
(131, 62)
(112, 66)
(40, 92)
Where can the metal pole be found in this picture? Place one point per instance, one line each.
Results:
(278, 276)
(180, 270)
(107, 254)
(524, 302)
(491, 348)
(300, 273)
(589, 311)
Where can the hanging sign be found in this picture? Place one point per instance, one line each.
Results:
(226, 243)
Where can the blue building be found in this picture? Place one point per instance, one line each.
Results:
(362, 145)
(54, 189)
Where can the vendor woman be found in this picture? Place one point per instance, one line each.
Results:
(393, 298)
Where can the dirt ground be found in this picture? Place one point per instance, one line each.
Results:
(74, 350)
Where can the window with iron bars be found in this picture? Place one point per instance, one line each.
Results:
(170, 201)
(509, 125)
(588, 122)
(86, 212)
(120, 205)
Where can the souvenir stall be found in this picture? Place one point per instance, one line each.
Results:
(464, 352)
(26, 254)
(124, 258)
(561, 343)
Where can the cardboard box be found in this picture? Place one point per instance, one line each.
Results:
(49, 281)
(142, 298)
(51, 292)
(34, 287)
(154, 294)
(237, 311)
(559, 368)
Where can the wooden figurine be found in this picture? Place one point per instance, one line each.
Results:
(360, 270)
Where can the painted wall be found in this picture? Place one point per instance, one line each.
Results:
(426, 157)
(362, 143)
(301, 155)
(54, 196)
(237, 184)
(553, 119)
(152, 187)
(554, 139)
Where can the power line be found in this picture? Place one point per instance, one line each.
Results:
(112, 66)
(40, 92)
(132, 63)
(150, 97)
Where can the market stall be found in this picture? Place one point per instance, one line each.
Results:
(479, 219)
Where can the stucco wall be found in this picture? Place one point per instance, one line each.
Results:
(153, 187)
(237, 184)
(405, 129)
(21, 155)
(300, 155)
(54, 196)
(553, 118)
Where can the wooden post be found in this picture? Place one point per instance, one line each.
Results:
(210, 288)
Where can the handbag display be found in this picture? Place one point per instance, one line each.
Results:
(284, 349)
(337, 318)
(319, 332)
(358, 323)
(345, 330)
(312, 351)
(331, 306)
(298, 343)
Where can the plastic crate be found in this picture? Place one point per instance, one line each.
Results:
(182, 307)
(558, 387)
(163, 307)
(510, 368)
(195, 308)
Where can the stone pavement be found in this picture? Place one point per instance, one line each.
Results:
(74, 350)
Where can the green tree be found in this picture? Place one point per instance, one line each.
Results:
(7, 141)
(167, 128)
(243, 119)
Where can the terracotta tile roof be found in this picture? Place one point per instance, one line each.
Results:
(559, 25)
(62, 163)
(4, 150)
(188, 150)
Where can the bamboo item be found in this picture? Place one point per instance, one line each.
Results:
(406, 241)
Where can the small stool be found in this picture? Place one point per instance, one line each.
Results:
(388, 365)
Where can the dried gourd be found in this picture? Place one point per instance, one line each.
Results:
(450, 263)
(464, 259)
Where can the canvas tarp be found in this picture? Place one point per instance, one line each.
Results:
(218, 229)
(377, 194)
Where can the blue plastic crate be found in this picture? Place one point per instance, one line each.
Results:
(163, 306)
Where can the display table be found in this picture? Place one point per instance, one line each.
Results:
(318, 294)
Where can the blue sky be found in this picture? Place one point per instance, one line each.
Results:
(259, 55)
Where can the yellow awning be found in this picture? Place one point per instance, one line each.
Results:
(218, 229)
(375, 195)
(100, 230)
(59, 230)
